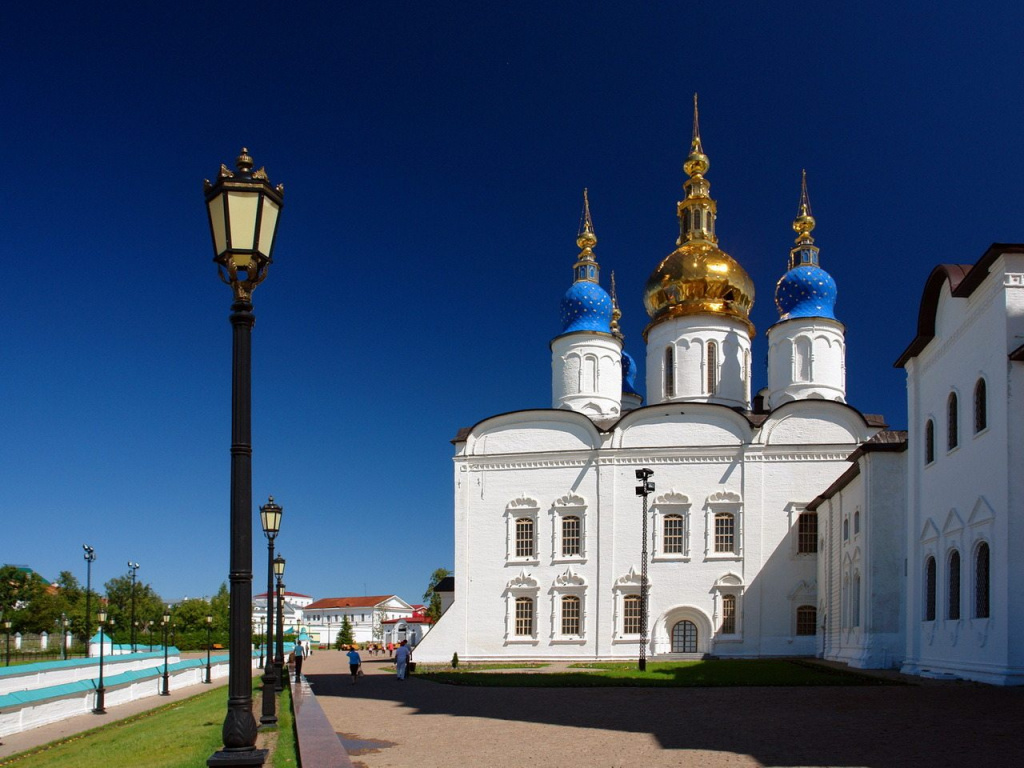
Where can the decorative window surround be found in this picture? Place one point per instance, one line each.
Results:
(723, 502)
(568, 584)
(522, 585)
(729, 584)
(803, 595)
(569, 505)
(671, 503)
(518, 509)
(625, 586)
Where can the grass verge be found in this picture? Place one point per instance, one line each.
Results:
(710, 673)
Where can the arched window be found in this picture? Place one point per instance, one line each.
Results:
(929, 441)
(725, 532)
(672, 534)
(570, 536)
(856, 600)
(980, 406)
(524, 616)
(929, 589)
(953, 607)
(856, 522)
(807, 533)
(670, 372)
(588, 374)
(631, 615)
(728, 614)
(981, 581)
(846, 529)
(806, 620)
(712, 368)
(524, 537)
(570, 615)
(684, 637)
(952, 436)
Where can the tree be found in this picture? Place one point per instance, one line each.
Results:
(345, 633)
(380, 615)
(431, 598)
(148, 605)
(220, 608)
(20, 588)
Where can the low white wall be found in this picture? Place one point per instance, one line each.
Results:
(85, 671)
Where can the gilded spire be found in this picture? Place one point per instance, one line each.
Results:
(586, 265)
(806, 252)
(697, 211)
(616, 313)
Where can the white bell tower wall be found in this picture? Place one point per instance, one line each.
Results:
(806, 360)
(586, 375)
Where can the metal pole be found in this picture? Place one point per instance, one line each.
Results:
(90, 555)
(166, 688)
(270, 686)
(100, 690)
(646, 487)
(209, 629)
(134, 567)
(282, 672)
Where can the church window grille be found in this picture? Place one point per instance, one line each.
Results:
(856, 522)
(524, 537)
(725, 533)
(952, 437)
(929, 589)
(570, 536)
(929, 441)
(672, 538)
(631, 615)
(712, 368)
(684, 637)
(980, 406)
(728, 614)
(846, 529)
(806, 620)
(670, 372)
(981, 582)
(807, 533)
(570, 615)
(856, 600)
(953, 608)
(524, 616)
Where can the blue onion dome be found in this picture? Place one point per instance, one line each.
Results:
(586, 306)
(806, 290)
(629, 371)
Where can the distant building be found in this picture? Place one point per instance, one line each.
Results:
(324, 617)
(294, 605)
(410, 629)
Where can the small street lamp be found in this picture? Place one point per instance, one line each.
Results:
(100, 690)
(166, 622)
(7, 631)
(645, 488)
(90, 555)
(133, 567)
(270, 518)
(282, 672)
(209, 627)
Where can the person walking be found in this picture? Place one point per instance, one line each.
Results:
(402, 659)
(298, 654)
(354, 664)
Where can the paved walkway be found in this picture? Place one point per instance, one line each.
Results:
(416, 724)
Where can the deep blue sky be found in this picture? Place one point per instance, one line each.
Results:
(434, 157)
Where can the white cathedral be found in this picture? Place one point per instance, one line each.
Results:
(791, 524)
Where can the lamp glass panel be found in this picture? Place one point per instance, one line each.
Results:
(268, 225)
(242, 207)
(220, 235)
(271, 519)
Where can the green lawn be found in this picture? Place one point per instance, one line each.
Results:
(179, 735)
(716, 672)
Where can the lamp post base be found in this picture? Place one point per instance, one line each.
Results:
(98, 709)
(166, 688)
(227, 757)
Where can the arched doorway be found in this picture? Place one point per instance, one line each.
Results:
(684, 637)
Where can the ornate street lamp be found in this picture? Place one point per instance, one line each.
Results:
(282, 671)
(166, 690)
(209, 627)
(646, 487)
(243, 209)
(100, 690)
(133, 567)
(7, 631)
(89, 556)
(270, 518)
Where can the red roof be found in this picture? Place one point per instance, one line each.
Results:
(348, 602)
(411, 620)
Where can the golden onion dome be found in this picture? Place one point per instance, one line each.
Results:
(698, 277)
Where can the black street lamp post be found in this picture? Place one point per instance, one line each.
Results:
(149, 629)
(243, 210)
(133, 567)
(270, 518)
(166, 690)
(645, 488)
(282, 671)
(262, 638)
(209, 628)
(90, 555)
(7, 631)
(100, 690)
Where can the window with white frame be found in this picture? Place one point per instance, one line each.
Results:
(929, 589)
(568, 529)
(671, 527)
(521, 517)
(806, 620)
(712, 372)
(980, 407)
(626, 616)
(807, 533)
(568, 623)
(571, 615)
(521, 608)
(953, 583)
(728, 592)
(728, 614)
(631, 615)
(981, 581)
(524, 617)
(724, 528)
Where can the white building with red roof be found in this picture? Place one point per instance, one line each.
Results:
(324, 618)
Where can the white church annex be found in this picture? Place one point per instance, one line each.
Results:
(547, 520)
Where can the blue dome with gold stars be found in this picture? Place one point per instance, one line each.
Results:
(586, 306)
(806, 292)
(629, 371)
